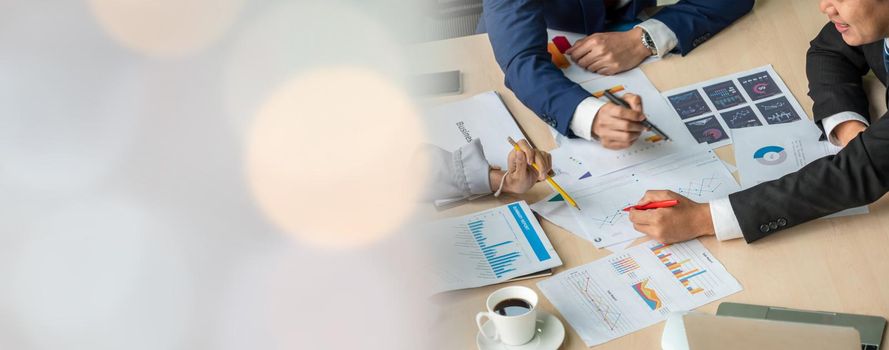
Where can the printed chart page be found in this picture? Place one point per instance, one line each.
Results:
(713, 110)
(630, 290)
(488, 247)
(483, 116)
(696, 173)
(768, 153)
(649, 146)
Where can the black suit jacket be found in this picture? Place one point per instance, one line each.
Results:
(856, 176)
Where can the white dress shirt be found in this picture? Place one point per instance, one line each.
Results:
(459, 174)
(585, 113)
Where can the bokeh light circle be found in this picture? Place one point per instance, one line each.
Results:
(329, 156)
(166, 28)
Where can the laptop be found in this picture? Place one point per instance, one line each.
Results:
(701, 331)
(870, 328)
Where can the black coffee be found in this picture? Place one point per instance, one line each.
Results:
(512, 307)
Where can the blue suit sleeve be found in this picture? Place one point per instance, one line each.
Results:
(695, 21)
(517, 31)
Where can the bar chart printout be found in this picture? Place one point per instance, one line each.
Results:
(636, 288)
(487, 247)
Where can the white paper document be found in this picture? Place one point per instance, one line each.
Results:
(483, 116)
(599, 160)
(712, 110)
(636, 288)
(768, 153)
(556, 210)
(697, 174)
(487, 247)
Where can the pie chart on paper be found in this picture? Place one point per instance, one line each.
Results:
(770, 155)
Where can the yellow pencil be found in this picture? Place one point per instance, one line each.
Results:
(552, 183)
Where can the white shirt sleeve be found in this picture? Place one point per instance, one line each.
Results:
(459, 174)
(725, 223)
(584, 115)
(831, 122)
(664, 38)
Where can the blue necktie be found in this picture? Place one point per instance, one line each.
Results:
(886, 55)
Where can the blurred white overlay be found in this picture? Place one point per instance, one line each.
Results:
(206, 174)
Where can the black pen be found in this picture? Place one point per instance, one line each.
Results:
(620, 102)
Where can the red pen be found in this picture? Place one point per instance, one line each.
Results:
(654, 205)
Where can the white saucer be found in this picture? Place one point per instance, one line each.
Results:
(550, 334)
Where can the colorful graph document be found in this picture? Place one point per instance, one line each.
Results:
(650, 146)
(554, 209)
(696, 173)
(636, 288)
(712, 110)
(488, 247)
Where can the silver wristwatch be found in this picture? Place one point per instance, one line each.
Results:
(648, 43)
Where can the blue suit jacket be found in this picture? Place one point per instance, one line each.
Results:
(517, 30)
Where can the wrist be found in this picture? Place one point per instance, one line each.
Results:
(639, 49)
(705, 220)
(495, 176)
(848, 130)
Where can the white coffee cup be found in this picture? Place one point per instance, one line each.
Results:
(510, 330)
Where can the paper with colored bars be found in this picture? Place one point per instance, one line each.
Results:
(636, 288)
(487, 247)
(696, 173)
(599, 160)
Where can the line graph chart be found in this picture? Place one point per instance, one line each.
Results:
(701, 187)
(599, 301)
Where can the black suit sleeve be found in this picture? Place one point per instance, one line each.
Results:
(834, 70)
(856, 176)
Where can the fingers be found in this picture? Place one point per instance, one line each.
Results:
(582, 47)
(518, 164)
(635, 101)
(630, 114)
(526, 148)
(657, 195)
(544, 164)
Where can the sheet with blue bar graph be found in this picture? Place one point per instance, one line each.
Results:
(636, 288)
(489, 247)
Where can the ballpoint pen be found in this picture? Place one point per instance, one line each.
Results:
(620, 102)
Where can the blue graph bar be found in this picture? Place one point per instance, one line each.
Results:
(500, 264)
(530, 233)
(692, 275)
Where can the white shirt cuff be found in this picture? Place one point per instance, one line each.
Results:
(475, 167)
(664, 38)
(725, 223)
(584, 115)
(831, 122)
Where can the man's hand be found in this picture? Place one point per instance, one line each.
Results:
(610, 53)
(848, 130)
(685, 221)
(521, 175)
(617, 127)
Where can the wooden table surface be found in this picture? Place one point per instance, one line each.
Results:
(833, 265)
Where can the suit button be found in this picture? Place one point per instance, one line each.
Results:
(764, 228)
(782, 222)
(773, 225)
